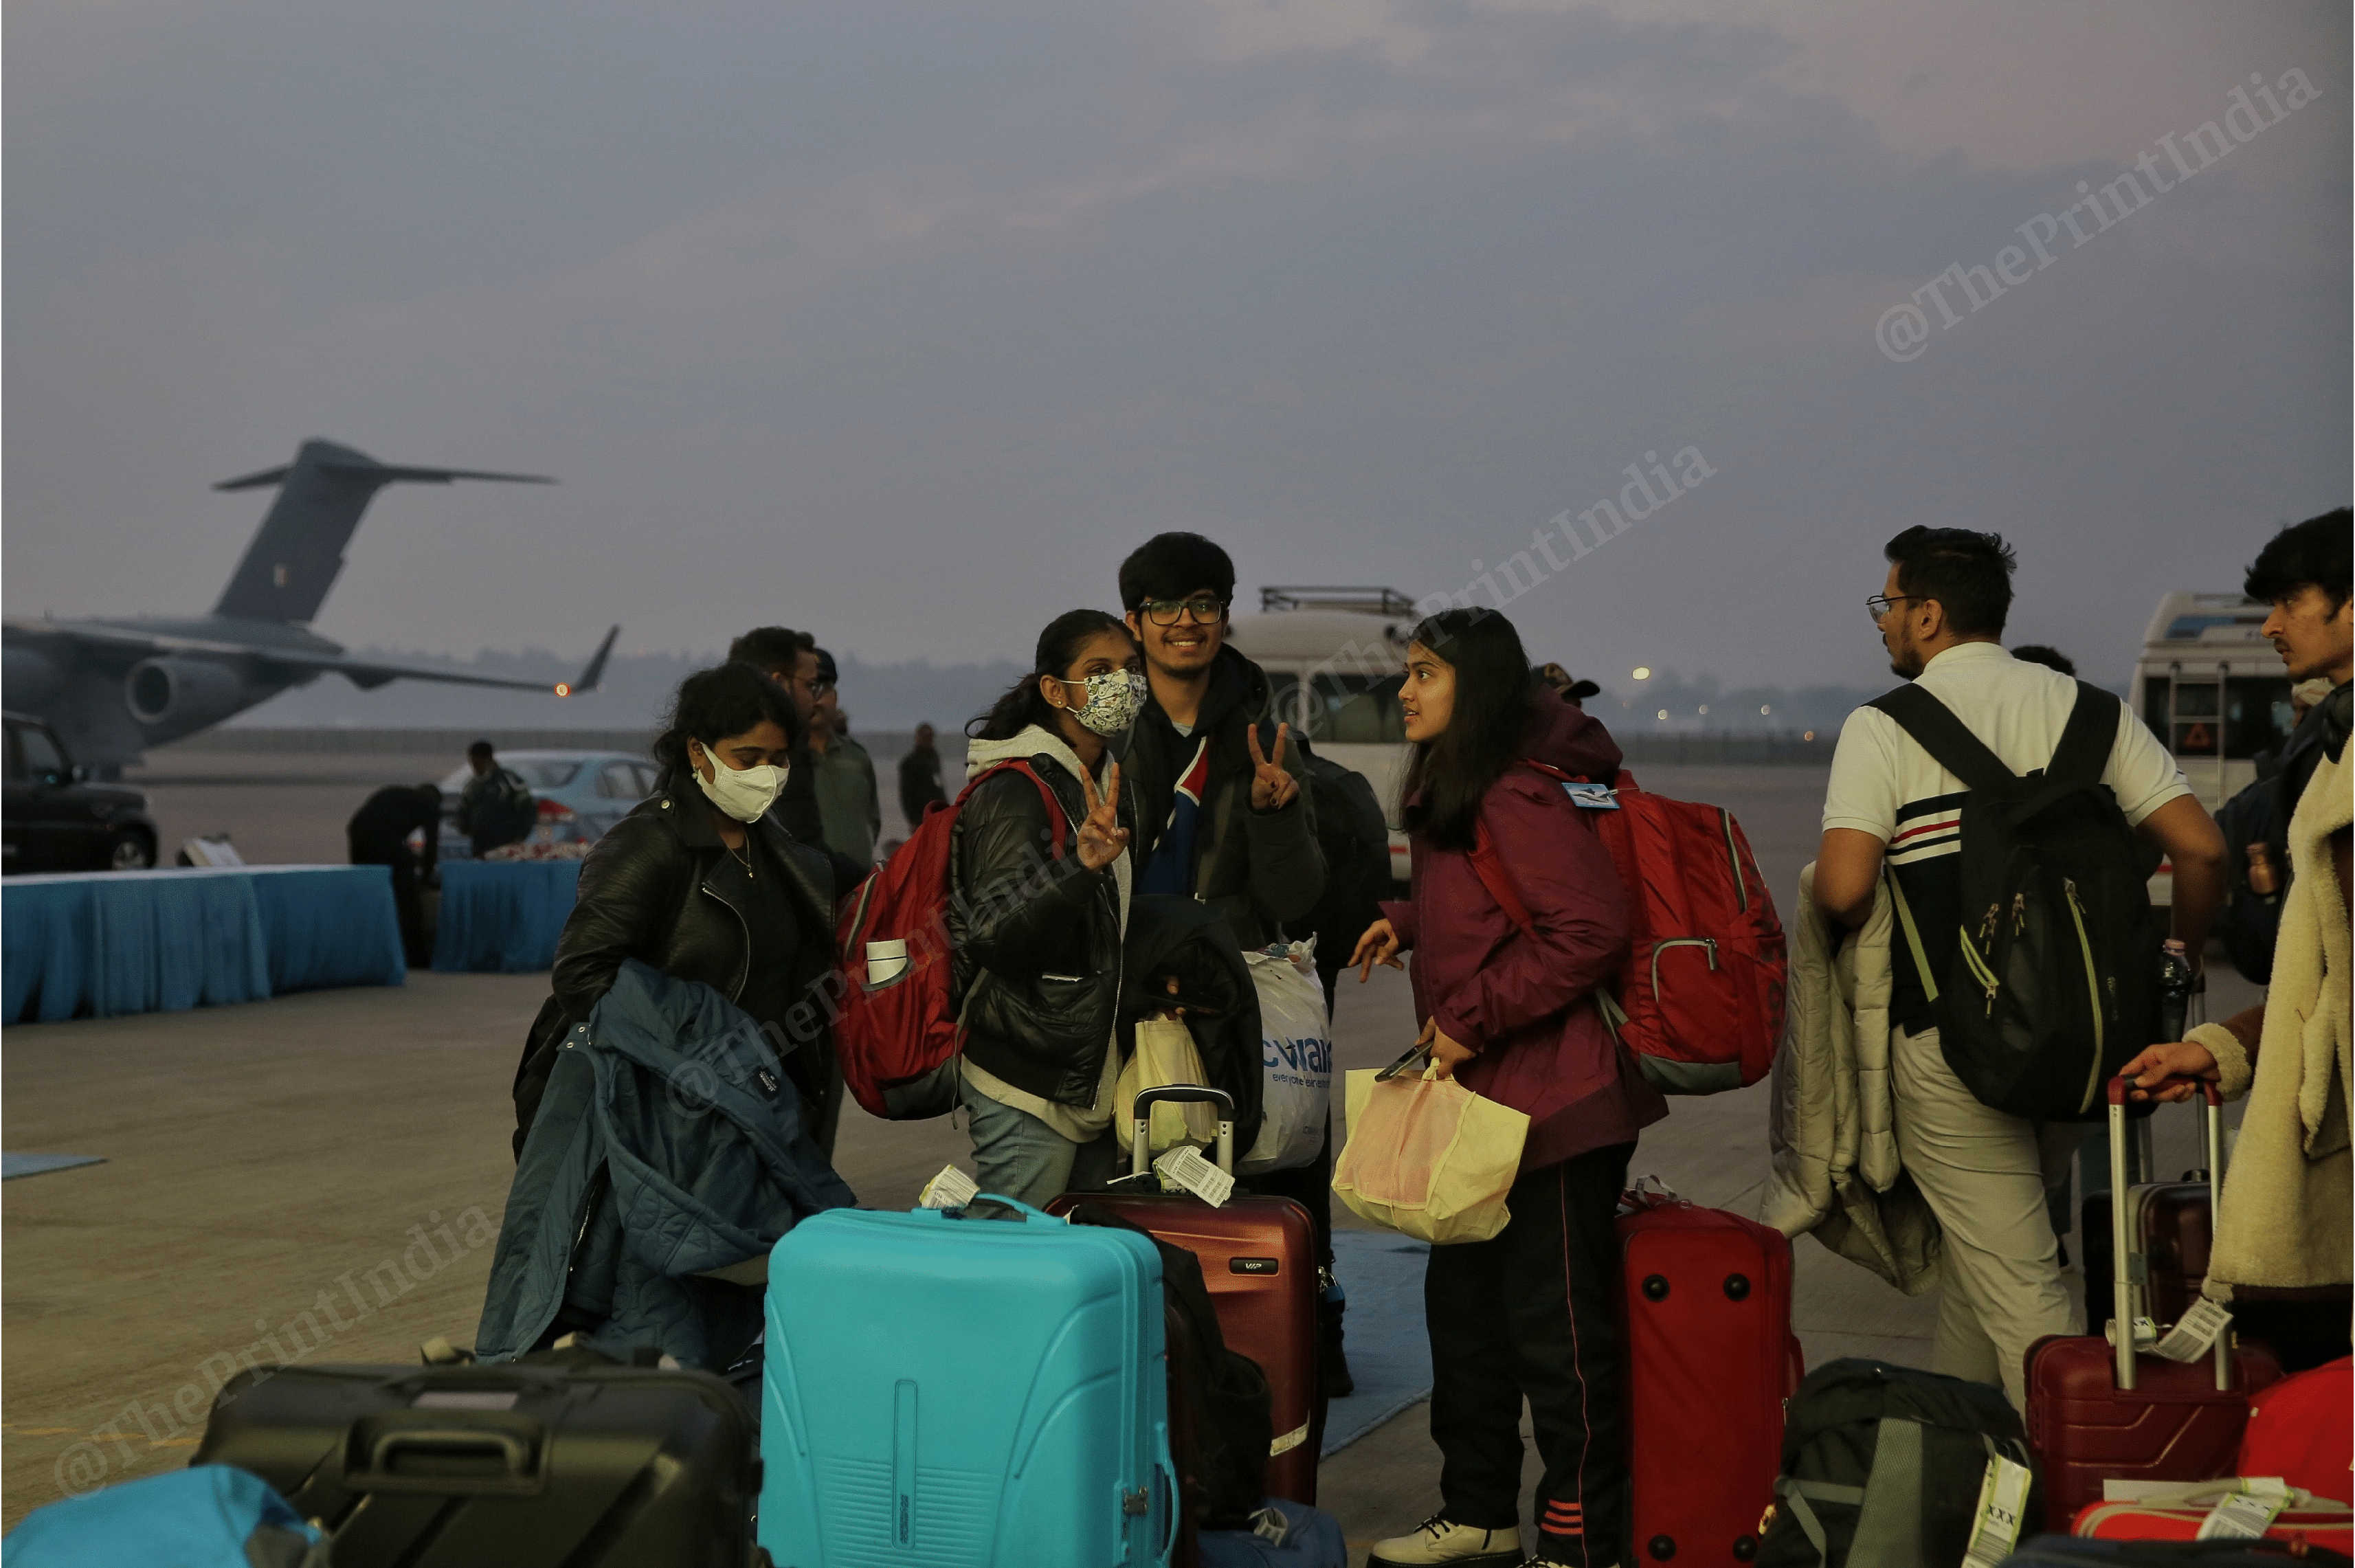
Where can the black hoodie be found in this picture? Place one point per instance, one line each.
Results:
(1258, 869)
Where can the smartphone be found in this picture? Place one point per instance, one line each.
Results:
(1414, 1055)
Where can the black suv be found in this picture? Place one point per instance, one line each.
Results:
(58, 820)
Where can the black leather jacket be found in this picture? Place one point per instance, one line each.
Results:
(648, 892)
(1036, 936)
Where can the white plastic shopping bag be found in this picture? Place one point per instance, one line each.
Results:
(1295, 1058)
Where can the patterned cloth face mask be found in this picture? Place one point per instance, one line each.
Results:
(1114, 699)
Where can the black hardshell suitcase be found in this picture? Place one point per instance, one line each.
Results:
(518, 1465)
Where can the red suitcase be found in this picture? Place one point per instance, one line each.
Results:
(2309, 1522)
(1710, 1358)
(1259, 1258)
(2099, 1411)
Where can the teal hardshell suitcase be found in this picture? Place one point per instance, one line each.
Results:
(947, 1390)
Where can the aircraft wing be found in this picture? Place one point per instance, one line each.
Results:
(369, 674)
(366, 674)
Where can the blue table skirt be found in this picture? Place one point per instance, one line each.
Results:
(105, 944)
(503, 917)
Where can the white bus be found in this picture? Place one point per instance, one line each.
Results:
(1334, 657)
(2212, 690)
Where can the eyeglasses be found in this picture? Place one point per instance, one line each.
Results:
(1880, 605)
(1206, 611)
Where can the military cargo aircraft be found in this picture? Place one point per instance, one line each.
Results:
(112, 688)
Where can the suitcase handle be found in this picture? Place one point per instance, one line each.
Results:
(1030, 1216)
(512, 1449)
(2125, 1292)
(1140, 1143)
(2120, 1086)
(1167, 1479)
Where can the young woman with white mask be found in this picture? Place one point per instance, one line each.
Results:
(1040, 909)
(701, 882)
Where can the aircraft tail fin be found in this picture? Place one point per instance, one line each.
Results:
(594, 676)
(299, 549)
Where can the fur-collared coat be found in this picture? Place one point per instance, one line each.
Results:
(2288, 1215)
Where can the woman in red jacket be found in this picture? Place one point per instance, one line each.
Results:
(1509, 1012)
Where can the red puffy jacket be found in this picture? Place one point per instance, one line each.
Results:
(1525, 1003)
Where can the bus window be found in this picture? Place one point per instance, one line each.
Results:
(2255, 716)
(1357, 710)
(1283, 697)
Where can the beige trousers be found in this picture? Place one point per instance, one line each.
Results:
(1999, 1283)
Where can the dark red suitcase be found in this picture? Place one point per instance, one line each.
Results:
(1259, 1258)
(2170, 1224)
(2098, 1409)
(1710, 1358)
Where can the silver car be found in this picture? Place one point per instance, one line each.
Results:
(580, 794)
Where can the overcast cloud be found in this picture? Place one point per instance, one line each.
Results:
(905, 322)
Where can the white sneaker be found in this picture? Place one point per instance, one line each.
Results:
(1438, 1539)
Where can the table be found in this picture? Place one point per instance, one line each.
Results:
(104, 943)
(503, 917)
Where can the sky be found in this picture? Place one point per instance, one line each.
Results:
(905, 323)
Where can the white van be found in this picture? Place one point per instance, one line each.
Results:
(1334, 658)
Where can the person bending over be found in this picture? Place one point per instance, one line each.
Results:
(701, 882)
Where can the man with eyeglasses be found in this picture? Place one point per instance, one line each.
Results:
(1941, 616)
(791, 659)
(843, 771)
(1223, 814)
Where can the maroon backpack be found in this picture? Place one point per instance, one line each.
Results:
(898, 1024)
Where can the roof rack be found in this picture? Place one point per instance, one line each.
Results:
(1372, 601)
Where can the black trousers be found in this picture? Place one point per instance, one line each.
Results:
(407, 904)
(1528, 1314)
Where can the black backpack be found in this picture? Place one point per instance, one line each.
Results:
(1882, 1465)
(1354, 838)
(2250, 919)
(2054, 983)
(1234, 1423)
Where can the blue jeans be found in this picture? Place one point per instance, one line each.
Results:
(1016, 1155)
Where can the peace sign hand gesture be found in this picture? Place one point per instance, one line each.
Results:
(1272, 789)
(1102, 838)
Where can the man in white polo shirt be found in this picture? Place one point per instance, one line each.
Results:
(1941, 616)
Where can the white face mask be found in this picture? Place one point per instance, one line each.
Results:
(744, 794)
(1114, 699)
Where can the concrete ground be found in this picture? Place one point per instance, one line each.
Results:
(322, 1174)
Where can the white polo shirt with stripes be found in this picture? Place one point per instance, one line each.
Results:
(1884, 783)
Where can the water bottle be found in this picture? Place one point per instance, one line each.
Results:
(2175, 983)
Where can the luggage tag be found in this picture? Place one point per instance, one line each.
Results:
(952, 1189)
(1185, 1167)
(2189, 1339)
(1593, 796)
(2247, 1515)
(2003, 1499)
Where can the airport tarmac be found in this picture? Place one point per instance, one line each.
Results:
(344, 1155)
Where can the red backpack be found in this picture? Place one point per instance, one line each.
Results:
(1703, 991)
(897, 1023)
